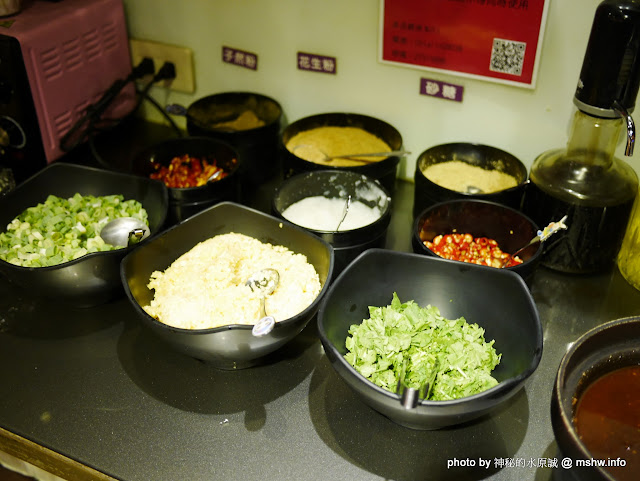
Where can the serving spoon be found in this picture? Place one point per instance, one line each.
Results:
(472, 189)
(181, 110)
(124, 231)
(347, 204)
(328, 158)
(410, 397)
(215, 176)
(264, 282)
(541, 236)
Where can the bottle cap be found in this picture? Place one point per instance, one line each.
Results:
(610, 70)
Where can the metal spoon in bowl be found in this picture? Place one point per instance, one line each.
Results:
(347, 204)
(124, 231)
(215, 176)
(264, 282)
(541, 236)
(181, 110)
(472, 189)
(410, 397)
(357, 157)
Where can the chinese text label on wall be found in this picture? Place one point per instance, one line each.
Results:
(443, 90)
(317, 63)
(240, 57)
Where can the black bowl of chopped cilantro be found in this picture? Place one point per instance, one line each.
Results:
(50, 240)
(429, 342)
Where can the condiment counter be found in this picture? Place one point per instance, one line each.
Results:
(91, 394)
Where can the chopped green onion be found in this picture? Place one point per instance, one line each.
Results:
(60, 230)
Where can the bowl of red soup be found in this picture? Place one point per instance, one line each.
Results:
(595, 404)
(198, 172)
(478, 232)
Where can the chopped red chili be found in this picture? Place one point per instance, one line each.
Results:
(186, 171)
(466, 248)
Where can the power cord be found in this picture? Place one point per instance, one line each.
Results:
(166, 72)
(92, 122)
(92, 115)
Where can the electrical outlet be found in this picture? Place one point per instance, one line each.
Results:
(181, 57)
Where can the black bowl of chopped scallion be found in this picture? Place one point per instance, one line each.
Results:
(50, 244)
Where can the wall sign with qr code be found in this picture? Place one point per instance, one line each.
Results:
(495, 40)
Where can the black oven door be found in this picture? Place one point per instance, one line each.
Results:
(21, 148)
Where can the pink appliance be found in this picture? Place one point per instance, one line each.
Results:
(56, 59)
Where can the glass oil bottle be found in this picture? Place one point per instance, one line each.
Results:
(586, 181)
(629, 255)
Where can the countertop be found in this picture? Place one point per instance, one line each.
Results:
(91, 394)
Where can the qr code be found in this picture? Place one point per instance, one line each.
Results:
(507, 56)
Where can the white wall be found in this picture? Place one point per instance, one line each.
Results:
(522, 121)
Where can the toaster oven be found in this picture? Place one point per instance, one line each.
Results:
(56, 59)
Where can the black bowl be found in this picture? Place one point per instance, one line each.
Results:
(605, 348)
(94, 278)
(457, 289)
(427, 193)
(384, 171)
(184, 202)
(232, 346)
(258, 146)
(509, 227)
(347, 244)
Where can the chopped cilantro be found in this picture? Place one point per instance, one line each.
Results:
(406, 336)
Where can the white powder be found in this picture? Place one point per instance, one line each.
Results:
(205, 287)
(324, 214)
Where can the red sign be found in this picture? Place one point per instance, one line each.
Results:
(496, 40)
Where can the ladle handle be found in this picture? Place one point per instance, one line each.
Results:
(531, 242)
(541, 236)
(370, 154)
(176, 109)
(410, 397)
(344, 212)
(135, 236)
(264, 326)
(381, 154)
(263, 309)
(266, 323)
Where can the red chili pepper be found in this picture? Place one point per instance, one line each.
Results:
(186, 171)
(466, 248)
